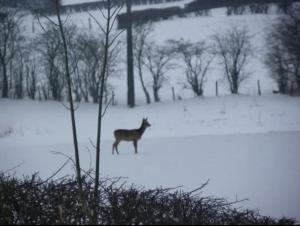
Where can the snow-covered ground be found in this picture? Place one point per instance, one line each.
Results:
(247, 146)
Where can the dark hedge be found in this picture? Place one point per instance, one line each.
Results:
(31, 201)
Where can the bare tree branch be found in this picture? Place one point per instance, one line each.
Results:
(100, 26)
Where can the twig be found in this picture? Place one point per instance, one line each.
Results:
(200, 188)
(104, 16)
(66, 20)
(15, 167)
(169, 189)
(69, 158)
(64, 155)
(90, 155)
(54, 174)
(68, 108)
(114, 38)
(91, 142)
(106, 107)
(40, 23)
(101, 27)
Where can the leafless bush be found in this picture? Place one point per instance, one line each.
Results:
(197, 58)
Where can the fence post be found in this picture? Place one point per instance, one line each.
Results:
(33, 27)
(258, 88)
(292, 89)
(173, 93)
(90, 23)
(217, 90)
(113, 98)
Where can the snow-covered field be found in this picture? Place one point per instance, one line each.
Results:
(247, 146)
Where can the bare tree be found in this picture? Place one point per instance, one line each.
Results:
(283, 52)
(234, 49)
(278, 64)
(112, 8)
(141, 34)
(49, 49)
(31, 70)
(91, 51)
(18, 70)
(10, 36)
(71, 36)
(197, 58)
(158, 62)
(31, 81)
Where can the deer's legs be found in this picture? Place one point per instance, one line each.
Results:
(115, 146)
(135, 146)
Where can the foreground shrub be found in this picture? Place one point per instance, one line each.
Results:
(32, 201)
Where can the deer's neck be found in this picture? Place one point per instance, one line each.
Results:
(142, 129)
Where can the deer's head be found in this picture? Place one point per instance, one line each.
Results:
(145, 123)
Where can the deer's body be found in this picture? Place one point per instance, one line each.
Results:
(129, 135)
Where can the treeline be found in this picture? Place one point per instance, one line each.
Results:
(200, 7)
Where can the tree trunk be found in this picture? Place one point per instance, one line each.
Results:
(5, 81)
(155, 93)
(148, 100)
(100, 109)
(235, 85)
(72, 110)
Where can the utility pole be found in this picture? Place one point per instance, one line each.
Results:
(130, 71)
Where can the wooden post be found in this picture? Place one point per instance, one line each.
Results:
(258, 88)
(113, 98)
(33, 28)
(130, 69)
(292, 89)
(90, 23)
(173, 93)
(217, 90)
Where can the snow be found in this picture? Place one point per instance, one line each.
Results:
(247, 146)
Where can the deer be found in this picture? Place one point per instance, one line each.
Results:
(133, 135)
